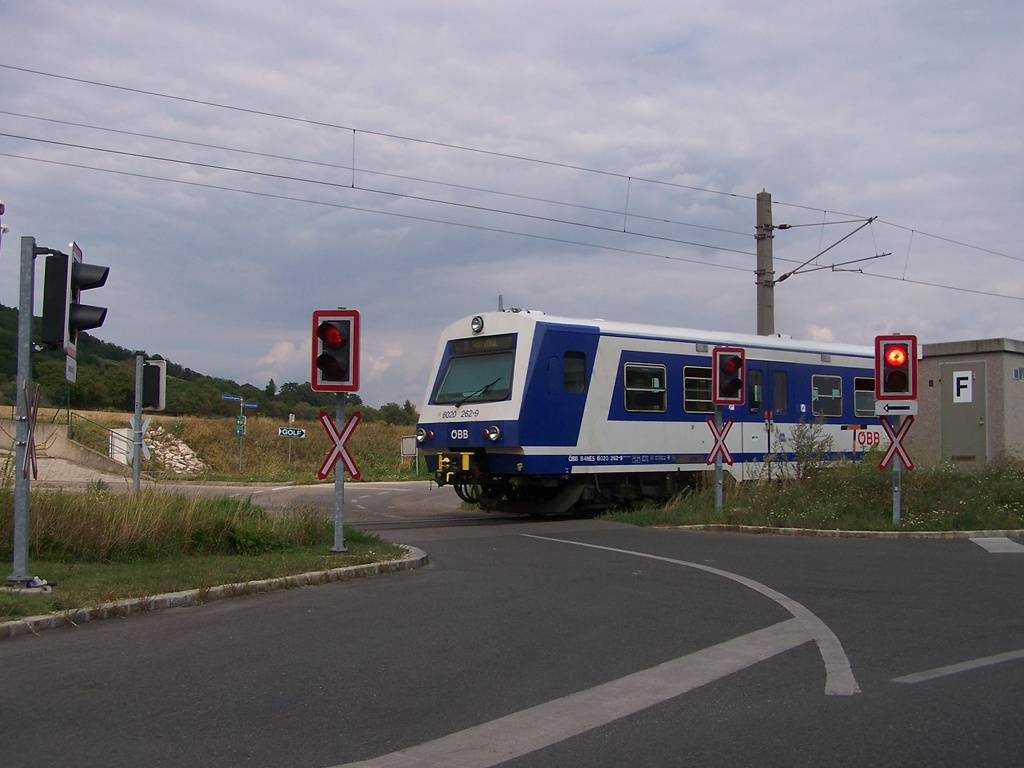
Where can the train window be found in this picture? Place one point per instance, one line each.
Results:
(863, 396)
(645, 387)
(574, 371)
(755, 390)
(476, 379)
(826, 395)
(780, 392)
(697, 390)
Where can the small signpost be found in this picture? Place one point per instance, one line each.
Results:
(239, 421)
(290, 432)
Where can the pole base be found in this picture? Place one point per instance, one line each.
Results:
(26, 584)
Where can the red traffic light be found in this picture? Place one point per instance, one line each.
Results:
(727, 375)
(896, 355)
(335, 351)
(896, 367)
(331, 335)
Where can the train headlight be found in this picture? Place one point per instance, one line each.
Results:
(493, 433)
(423, 435)
(477, 324)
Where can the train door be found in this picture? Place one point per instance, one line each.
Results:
(768, 410)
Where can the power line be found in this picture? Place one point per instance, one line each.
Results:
(462, 148)
(335, 126)
(388, 193)
(395, 214)
(479, 227)
(353, 168)
(452, 146)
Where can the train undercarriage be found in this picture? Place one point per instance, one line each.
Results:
(538, 495)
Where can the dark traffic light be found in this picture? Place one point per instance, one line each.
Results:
(154, 385)
(335, 351)
(728, 371)
(63, 314)
(896, 367)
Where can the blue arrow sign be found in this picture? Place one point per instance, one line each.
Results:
(232, 398)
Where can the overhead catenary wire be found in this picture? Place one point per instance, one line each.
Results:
(395, 214)
(338, 185)
(366, 171)
(627, 178)
(494, 230)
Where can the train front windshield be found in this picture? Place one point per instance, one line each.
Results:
(479, 371)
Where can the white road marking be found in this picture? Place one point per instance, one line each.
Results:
(998, 544)
(964, 666)
(839, 680)
(258, 491)
(520, 733)
(528, 730)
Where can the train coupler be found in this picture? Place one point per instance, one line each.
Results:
(451, 465)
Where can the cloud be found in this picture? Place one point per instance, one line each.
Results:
(223, 241)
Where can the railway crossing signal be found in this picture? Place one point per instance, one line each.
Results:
(339, 451)
(896, 434)
(719, 434)
(896, 367)
(335, 351)
(896, 396)
(728, 371)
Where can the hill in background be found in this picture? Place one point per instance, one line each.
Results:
(106, 381)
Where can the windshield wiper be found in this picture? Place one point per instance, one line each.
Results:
(479, 393)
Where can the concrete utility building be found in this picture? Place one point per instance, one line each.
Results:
(971, 402)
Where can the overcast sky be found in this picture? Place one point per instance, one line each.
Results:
(239, 165)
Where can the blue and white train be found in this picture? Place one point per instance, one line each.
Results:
(537, 414)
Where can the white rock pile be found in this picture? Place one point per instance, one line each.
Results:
(173, 455)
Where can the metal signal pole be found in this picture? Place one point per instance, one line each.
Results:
(19, 577)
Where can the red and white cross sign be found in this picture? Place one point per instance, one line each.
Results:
(339, 451)
(896, 446)
(720, 442)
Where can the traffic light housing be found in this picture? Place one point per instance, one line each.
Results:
(63, 314)
(154, 385)
(335, 351)
(728, 373)
(896, 367)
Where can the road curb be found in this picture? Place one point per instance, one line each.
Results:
(837, 534)
(416, 558)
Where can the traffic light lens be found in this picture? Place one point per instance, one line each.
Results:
(896, 381)
(331, 336)
(896, 356)
(730, 365)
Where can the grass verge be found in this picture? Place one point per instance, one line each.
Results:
(100, 547)
(856, 496)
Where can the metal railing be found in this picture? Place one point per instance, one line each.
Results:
(94, 435)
